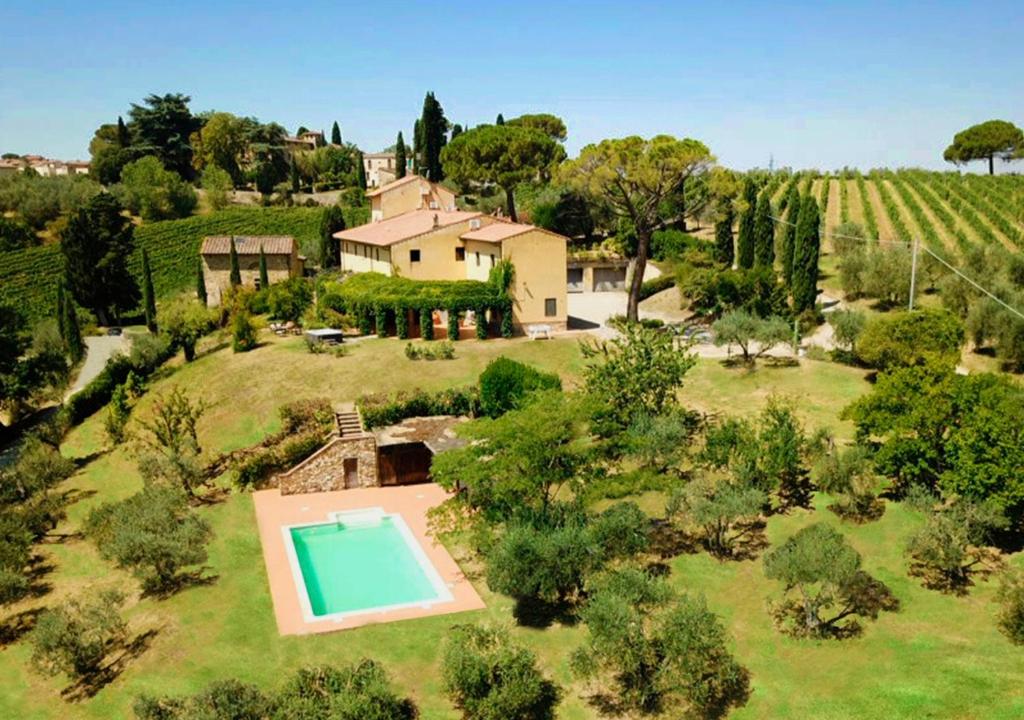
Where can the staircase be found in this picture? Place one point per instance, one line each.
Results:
(349, 424)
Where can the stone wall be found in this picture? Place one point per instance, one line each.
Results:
(325, 469)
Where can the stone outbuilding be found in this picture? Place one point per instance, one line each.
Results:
(395, 455)
(281, 251)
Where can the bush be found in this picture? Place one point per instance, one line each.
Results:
(379, 410)
(303, 414)
(149, 190)
(656, 285)
(504, 383)
(288, 300)
(443, 350)
(256, 468)
(1011, 613)
(670, 244)
(243, 333)
(488, 677)
(911, 338)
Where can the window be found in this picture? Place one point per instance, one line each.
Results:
(478, 259)
(414, 256)
(492, 259)
(460, 254)
(550, 307)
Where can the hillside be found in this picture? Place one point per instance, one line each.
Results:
(28, 277)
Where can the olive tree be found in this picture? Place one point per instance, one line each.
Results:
(950, 545)
(75, 637)
(825, 590)
(724, 512)
(632, 176)
(753, 335)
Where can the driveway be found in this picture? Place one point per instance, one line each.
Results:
(99, 349)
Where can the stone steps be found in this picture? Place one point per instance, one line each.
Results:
(349, 424)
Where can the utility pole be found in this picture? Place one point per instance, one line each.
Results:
(913, 273)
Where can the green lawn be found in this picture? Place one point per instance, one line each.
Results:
(939, 657)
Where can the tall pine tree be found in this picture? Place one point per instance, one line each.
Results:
(148, 298)
(434, 127)
(73, 333)
(456, 130)
(264, 277)
(764, 233)
(200, 282)
(500, 120)
(745, 240)
(400, 158)
(805, 256)
(335, 134)
(788, 236)
(235, 276)
(724, 251)
(123, 138)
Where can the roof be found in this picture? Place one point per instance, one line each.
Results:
(248, 244)
(404, 226)
(379, 155)
(498, 231)
(397, 183)
(437, 432)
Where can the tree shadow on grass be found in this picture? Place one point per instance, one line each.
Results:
(182, 581)
(88, 686)
(18, 625)
(534, 613)
(83, 460)
(667, 541)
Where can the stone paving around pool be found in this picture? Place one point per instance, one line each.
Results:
(275, 511)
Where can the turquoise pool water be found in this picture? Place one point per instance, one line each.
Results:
(351, 567)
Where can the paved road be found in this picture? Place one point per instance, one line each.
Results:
(99, 349)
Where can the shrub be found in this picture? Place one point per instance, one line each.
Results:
(243, 333)
(1011, 613)
(149, 190)
(488, 677)
(656, 285)
(443, 350)
(298, 448)
(288, 300)
(256, 468)
(379, 410)
(505, 382)
(302, 414)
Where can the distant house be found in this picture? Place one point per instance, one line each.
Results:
(417, 232)
(309, 140)
(45, 167)
(382, 168)
(596, 272)
(281, 251)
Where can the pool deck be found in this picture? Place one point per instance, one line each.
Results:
(275, 511)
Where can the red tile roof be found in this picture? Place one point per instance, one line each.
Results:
(248, 244)
(397, 183)
(404, 226)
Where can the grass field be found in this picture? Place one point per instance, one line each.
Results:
(938, 657)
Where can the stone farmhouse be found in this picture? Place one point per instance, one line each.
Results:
(416, 232)
(281, 251)
(382, 168)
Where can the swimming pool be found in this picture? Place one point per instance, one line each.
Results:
(362, 561)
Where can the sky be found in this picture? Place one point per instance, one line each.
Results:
(803, 84)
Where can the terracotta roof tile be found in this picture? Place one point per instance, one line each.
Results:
(397, 183)
(404, 226)
(249, 244)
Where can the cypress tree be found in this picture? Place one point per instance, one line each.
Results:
(456, 130)
(62, 298)
(148, 298)
(332, 220)
(361, 172)
(724, 251)
(745, 240)
(417, 147)
(293, 174)
(73, 339)
(200, 282)
(500, 120)
(264, 277)
(123, 140)
(434, 127)
(764, 233)
(235, 277)
(805, 256)
(788, 237)
(335, 134)
(400, 159)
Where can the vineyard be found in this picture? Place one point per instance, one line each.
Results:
(28, 277)
(948, 212)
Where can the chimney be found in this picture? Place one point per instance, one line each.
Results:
(436, 223)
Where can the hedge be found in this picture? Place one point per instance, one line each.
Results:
(370, 290)
(379, 410)
(656, 285)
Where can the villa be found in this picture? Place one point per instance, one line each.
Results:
(416, 232)
(382, 168)
(281, 252)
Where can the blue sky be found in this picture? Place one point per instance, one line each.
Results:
(814, 84)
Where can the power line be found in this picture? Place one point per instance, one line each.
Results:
(928, 250)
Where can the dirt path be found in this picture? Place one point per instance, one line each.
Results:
(99, 349)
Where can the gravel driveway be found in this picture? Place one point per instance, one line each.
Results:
(99, 349)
